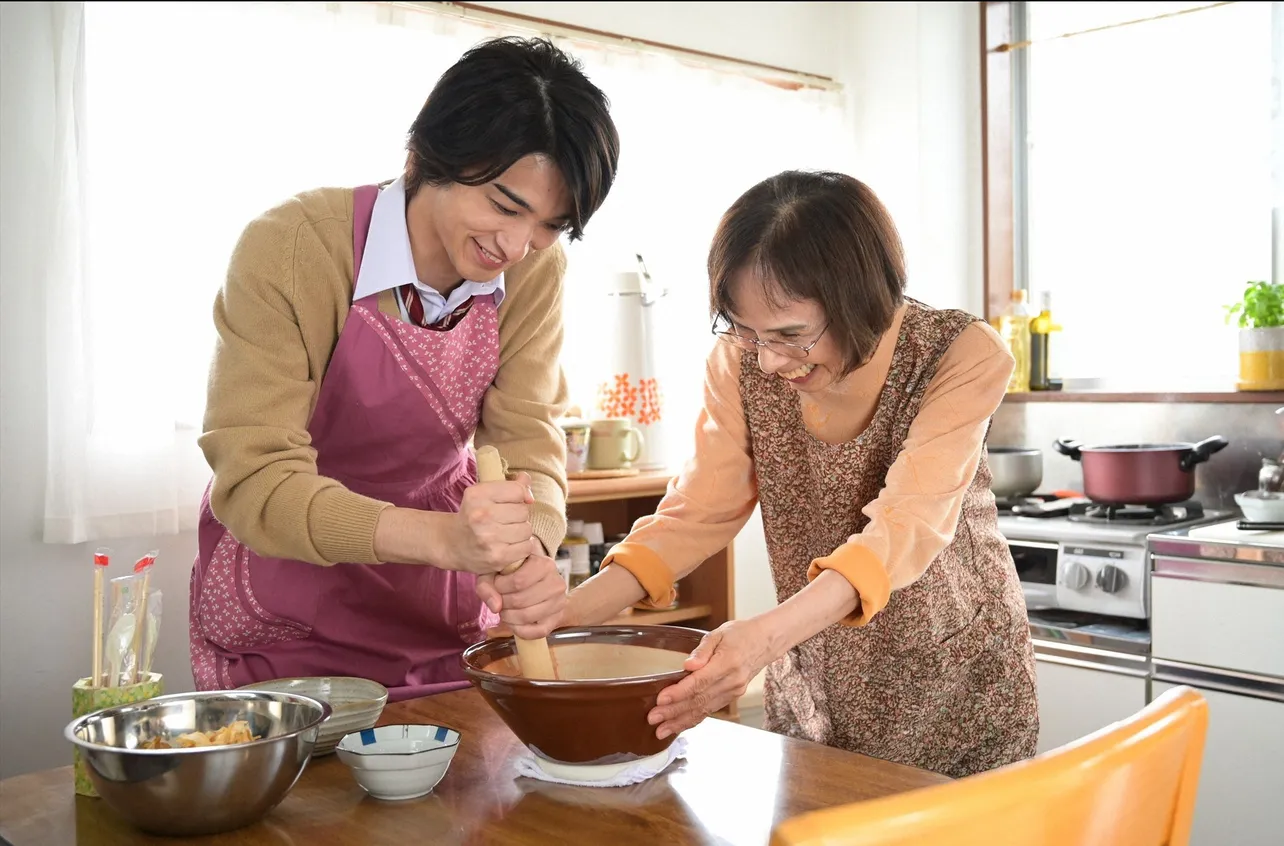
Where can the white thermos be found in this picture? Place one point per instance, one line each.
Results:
(628, 384)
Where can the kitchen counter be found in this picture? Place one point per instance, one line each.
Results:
(735, 783)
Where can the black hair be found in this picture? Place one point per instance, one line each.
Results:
(508, 98)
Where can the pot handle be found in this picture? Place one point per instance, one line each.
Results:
(1202, 451)
(1071, 448)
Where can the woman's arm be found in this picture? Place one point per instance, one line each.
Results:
(520, 410)
(702, 511)
(912, 519)
(915, 515)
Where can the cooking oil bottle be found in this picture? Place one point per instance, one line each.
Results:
(1041, 328)
(1014, 328)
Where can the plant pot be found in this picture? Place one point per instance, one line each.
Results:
(1261, 359)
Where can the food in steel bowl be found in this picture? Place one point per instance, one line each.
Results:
(198, 789)
(237, 732)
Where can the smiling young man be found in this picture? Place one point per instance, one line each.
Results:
(366, 339)
(856, 419)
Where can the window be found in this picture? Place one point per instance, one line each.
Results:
(1139, 189)
(198, 116)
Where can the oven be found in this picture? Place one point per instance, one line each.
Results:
(1085, 576)
(1036, 566)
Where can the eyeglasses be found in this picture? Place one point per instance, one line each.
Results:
(728, 333)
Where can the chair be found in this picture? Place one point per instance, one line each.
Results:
(1132, 783)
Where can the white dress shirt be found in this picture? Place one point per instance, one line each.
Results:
(387, 262)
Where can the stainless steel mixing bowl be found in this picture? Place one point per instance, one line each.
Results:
(201, 790)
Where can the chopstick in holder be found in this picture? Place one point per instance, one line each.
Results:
(102, 556)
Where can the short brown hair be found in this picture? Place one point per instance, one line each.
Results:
(820, 236)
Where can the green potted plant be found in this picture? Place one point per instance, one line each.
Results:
(1260, 317)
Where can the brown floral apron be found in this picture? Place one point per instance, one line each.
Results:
(943, 677)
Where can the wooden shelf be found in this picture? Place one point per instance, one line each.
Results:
(683, 612)
(1268, 397)
(624, 487)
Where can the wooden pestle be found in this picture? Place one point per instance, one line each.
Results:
(535, 658)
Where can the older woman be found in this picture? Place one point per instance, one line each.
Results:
(856, 418)
(366, 339)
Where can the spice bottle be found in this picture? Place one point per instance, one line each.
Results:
(597, 546)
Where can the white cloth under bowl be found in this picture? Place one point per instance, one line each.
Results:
(599, 776)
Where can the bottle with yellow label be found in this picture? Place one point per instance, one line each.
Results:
(1041, 328)
(1014, 328)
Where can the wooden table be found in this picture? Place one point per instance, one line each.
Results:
(735, 783)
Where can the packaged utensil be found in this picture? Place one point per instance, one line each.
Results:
(134, 625)
(151, 632)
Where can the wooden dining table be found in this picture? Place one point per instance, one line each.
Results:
(731, 787)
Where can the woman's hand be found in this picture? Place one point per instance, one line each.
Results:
(530, 601)
(491, 530)
(721, 668)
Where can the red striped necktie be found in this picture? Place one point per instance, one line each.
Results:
(414, 305)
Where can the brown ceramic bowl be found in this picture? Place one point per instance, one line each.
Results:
(595, 711)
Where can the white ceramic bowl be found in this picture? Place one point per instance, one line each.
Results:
(399, 762)
(355, 704)
(1261, 507)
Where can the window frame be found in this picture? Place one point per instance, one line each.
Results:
(1003, 185)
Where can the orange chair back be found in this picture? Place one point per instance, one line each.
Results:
(1130, 784)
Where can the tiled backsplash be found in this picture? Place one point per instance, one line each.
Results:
(1253, 429)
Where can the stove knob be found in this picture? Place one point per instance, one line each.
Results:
(1111, 579)
(1077, 576)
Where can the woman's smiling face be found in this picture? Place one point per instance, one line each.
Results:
(763, 312)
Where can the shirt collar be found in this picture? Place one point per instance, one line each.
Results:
(387, 262)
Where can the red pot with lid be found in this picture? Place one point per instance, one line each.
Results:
(1140, 474)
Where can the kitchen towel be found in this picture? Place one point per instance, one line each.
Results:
(634, 773)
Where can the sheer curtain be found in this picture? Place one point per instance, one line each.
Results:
(185, 120)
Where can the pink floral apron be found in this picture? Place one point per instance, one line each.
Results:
(394, 419)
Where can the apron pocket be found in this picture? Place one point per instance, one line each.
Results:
(944, 661)
(230, 613)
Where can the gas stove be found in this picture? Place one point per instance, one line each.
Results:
(1037, 518)
(1087, 557)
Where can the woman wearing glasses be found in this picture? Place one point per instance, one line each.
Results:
(856, 418)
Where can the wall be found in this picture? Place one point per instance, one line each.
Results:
(797, 36)
(45, 591)
(913, 78)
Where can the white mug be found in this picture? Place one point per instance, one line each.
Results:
(614, 444)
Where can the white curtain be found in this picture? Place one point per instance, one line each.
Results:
(179, 122)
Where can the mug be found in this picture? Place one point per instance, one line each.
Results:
(614, 444)
(577, 444)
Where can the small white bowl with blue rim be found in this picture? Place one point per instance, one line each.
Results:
(401, 761)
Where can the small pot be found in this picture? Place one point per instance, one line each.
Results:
(1016, 471)
(1140, 474)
